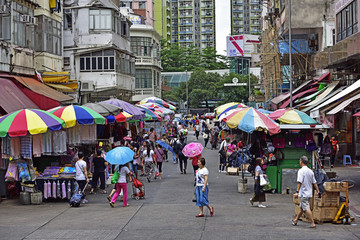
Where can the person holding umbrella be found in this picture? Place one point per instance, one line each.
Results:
(193, 151)
(121, 184)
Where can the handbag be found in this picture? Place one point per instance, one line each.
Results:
(326, 149)
(310, 147)
(300, 142)
(263, 180)
(205, 135)
(115, 177)
(278, 142)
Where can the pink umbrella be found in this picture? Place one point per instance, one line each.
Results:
(192, 149)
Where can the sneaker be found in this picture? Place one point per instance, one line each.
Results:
(219, 171)
(252, 203)
(261, 206)
(84, 201)
(148, 179)
(223, 171)
(184, 171)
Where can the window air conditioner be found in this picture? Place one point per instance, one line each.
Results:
(3, 9)
(87, 86)
(25, 18)
(34, 21)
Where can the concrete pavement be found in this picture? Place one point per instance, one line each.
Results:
(167, 212)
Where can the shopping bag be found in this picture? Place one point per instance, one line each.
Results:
(156, 171)
(115, 177)
(12, 172)
(263, 180)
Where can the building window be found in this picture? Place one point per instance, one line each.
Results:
(346, 21)
(141, 46)
(48, 35)
(23, 31)
(98, 61)
(67, 19)
(101, 19)
(143, 78)
(142, 5)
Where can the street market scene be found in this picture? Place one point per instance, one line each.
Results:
(182, 119)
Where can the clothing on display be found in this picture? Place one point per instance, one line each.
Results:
(6, 146)
(37, 145)
(26, 147)
(59, 142)
(73, 135)
(15, 147)
(47, 143)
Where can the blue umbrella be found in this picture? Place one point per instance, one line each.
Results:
(184, 123)
(120, 155)
(167, 147)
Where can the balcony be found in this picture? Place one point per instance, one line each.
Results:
(207, 23)
(207, 32)
(238, 2)
(207, 40)
(186, 32)
(147, 61)
(185, 23)
(186, 40)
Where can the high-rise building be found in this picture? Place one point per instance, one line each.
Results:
(245, 17)
(186, 22)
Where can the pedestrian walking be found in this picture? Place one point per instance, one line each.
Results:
(165, 140)
(194, 162)
(206, 136)
(223, 150)
(152, 135)
(259, 194)
(214, 137)
(197, 131)
(149, 161)
(159, 156)
(305, 183)
(81, 176)
(202, 188)
(137, 160)
(335, 150)
(179, 146)
(121, 185)
(99, 164)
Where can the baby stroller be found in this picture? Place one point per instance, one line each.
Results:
(138, 190)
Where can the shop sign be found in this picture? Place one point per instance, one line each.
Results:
(340, 4)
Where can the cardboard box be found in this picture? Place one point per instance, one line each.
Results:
(328, 199)
(334, 186)
(303, 217)
(232, 171)
(324, 214)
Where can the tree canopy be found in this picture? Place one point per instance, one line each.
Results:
(180, 59)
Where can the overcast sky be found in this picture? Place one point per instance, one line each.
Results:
(222, 24)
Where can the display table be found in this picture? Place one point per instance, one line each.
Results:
(40, 184)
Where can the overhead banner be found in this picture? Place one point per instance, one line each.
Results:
(235, 46)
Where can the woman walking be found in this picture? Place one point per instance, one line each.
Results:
(121, 184)
(149, 160)
(159, 156)
(259, 195)
(206, 136)
(202, 188)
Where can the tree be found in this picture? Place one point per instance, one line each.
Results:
(180, 59)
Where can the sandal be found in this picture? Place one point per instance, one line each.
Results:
(111, 204)
(212, 211)
(108, 198)
(127, 205)
(312, 226)
(293, 222)
(103, 192)
(199, 215)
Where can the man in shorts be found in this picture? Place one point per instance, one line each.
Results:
(305, 182)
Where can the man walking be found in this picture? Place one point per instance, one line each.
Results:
(305, 182)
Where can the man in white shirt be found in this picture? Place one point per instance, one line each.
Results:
(305, 182)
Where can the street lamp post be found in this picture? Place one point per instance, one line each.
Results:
(290, 60)
(187, 93)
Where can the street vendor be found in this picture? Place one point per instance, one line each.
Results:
(335, 150)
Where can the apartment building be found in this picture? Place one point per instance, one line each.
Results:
(245, 17)
(97, 50)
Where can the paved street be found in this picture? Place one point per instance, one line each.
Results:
(168, 213)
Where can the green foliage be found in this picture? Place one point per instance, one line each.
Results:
(180, 59)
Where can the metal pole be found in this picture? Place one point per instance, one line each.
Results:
(249, 82)
(187, 94)
(290, 55)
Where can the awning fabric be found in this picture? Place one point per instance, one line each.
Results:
(12, 98)
(55, 77)
(42, 89)
(282, 97)
(287, 102)
(60, 87)
(324, 94)
(348, 90)
(343, 105)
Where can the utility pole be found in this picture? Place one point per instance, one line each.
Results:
(290, 60)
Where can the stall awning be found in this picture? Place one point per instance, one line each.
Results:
(287, 102)
(347, 91)
(282, 97)
(60, 87)
(55, 77)
(343, 105)
(42, 89)
(330, 95)
(12, 98)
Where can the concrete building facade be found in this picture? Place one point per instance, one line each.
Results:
(245, 17)
(97, 50)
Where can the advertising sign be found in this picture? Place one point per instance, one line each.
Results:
(235, 46)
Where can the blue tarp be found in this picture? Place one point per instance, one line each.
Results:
(298, 46)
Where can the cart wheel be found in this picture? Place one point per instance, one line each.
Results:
(132, 196)
(137, 197)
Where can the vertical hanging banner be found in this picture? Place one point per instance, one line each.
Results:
(235, 46)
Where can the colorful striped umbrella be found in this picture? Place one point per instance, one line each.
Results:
(157, 101)
(121, 117)
(31, 121)
(151, 115)
(228, 106)
(250, 120)
(225, 115)
(292, 116)
(135, 111)
(73, 114)
(263, 111)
